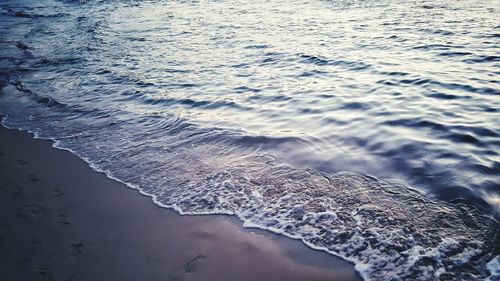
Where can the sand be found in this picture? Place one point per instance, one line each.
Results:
(60, 220)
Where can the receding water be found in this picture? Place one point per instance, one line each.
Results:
(368, 129)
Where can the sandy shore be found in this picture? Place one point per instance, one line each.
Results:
(60, 220)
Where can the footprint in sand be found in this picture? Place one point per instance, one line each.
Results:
(35, 209)
(191, 265)
(184, 271)
(22, 162)
(33, 178)
(78, 247)
(44, 273)
(62, 219)
(57, 192)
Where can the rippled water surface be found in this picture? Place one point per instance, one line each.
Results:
(369, 129)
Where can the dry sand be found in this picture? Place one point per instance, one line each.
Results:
(60, 220)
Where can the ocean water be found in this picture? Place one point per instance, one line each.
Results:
(367, 129)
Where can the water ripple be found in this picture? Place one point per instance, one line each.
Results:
(260, 115)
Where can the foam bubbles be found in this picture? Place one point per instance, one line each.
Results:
(389, 231)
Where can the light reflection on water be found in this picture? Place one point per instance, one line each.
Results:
(397, 90)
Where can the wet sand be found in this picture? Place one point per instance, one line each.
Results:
(60, 220)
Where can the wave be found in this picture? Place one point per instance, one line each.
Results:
(28, 15)
(388, 230)
(213, 121)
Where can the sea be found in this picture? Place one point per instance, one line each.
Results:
(369, 129)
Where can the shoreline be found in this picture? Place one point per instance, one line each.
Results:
(61, 220)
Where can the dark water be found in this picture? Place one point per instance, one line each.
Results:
(369, 129)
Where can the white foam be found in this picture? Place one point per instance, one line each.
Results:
(264, 194)
(494, 268)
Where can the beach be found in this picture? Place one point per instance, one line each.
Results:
(60, 220)
(249, 140)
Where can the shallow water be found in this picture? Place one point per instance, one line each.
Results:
(368, 129)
